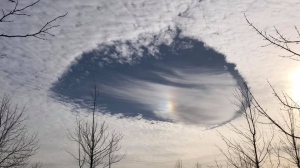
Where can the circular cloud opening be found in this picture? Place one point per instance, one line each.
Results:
(167, 78)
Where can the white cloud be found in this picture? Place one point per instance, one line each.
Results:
(191, 105)
(31, 65)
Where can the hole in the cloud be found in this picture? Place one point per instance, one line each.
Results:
(166, 78)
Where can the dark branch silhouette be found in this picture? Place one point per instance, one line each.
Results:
(285, 103)
(253, 148)
(288, 148)
(96, 145)
(21, 11)
(279, 40)
(16, 144)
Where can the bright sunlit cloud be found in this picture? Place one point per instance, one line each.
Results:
(295, 78)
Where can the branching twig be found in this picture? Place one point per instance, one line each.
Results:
(16, 11)
(281, 42)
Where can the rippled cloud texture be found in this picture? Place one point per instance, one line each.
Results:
(33, 69)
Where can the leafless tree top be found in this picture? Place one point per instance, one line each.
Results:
(16, 144)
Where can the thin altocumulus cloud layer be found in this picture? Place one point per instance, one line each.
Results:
(179, 81)
(32, 68)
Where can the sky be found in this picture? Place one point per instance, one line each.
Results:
(167, 71)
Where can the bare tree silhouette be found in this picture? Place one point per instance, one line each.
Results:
(96, 145)
(289, 148)
(253, 148)
(285, 102)
(16, 144)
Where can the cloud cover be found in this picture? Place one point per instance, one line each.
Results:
(32, 66)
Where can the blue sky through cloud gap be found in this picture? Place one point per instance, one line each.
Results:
(173, 81)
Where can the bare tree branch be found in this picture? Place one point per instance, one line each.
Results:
(280, 41)
(16, 145)
(16, 11)
(96, 145)
(252, 149)
(262, 111)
